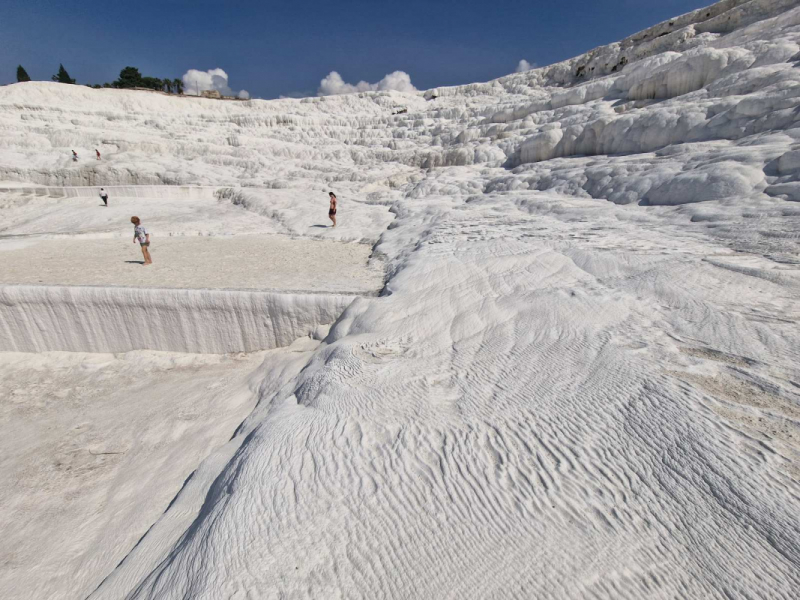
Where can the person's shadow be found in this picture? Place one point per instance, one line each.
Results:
(135, 262)
(323, 226)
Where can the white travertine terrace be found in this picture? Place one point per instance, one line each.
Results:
(580, 379)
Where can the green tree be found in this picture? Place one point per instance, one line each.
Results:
(152, 83)
(22, 74)
(167, 86)
(63, 76)
(129, 77)
(178, 85)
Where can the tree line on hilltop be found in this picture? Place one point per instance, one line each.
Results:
(129, 78)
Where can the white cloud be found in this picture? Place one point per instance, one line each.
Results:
(524, 65)
(195, 82)
(398, 81)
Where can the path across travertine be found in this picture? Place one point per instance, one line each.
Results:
(274, 262)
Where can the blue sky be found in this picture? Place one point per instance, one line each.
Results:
(286, 48)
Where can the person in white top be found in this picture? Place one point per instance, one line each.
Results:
(142, 235)
(104, 196)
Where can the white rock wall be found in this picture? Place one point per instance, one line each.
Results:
(177, 192)
(106, 319)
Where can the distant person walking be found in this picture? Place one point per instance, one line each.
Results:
(74, 156)
(104, 196)
(98, 153)
(332, 209)
(142, 235)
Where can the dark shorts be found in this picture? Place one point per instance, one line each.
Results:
(144, 244)
(332, 212)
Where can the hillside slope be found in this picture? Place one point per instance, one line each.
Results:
(580, 380)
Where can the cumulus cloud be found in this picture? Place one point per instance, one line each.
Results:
(398, 81)
(524, 65)
(195, 82)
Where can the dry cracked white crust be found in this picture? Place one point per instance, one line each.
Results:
(556, 395)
